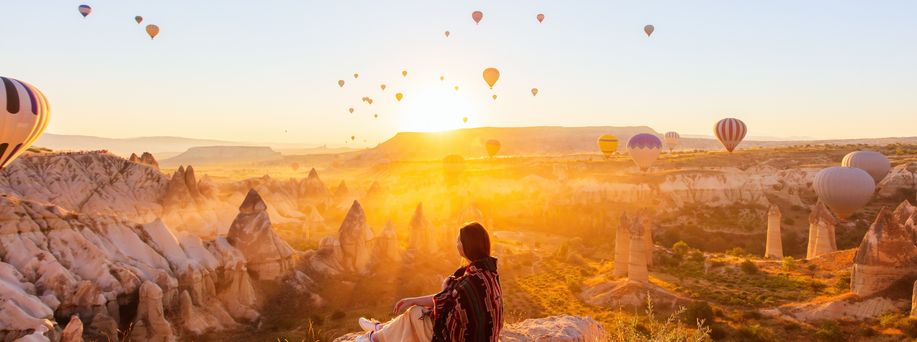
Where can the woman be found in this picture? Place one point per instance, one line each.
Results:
(469, 307)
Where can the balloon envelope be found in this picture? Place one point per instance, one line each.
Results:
(382, 86)
(540, 17)
(404, 73)
(356, 75)
(534, 91)
(24, 114)
(491, 75)
(844, 189)
(138, 19)
(608, 144)
(492, 146)
(350, 110)
(341, 83)
(874, 163)
(477, 16)
(447, 34)
(644, 149)
(85, 10)
(671, 140)
(399, 96)
(152, 30)
(730, 132)
(648, 29)
(294, 166)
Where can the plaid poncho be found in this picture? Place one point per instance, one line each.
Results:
(471, 306)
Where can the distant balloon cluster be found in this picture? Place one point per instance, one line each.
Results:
(151, 30)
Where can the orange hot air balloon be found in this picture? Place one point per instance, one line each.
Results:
(152, 30)
(370, 101)
(404, 73)
(495, 97)
(477, 16)
(648, 29)
(399, 96)
(442, 78)
(540, 17)
(382, 86)
(491, 75)
(447, 34)
(492, 146)
(341, 83)
(534, 91)
(294, 166)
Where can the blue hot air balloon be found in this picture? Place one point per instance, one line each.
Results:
(644, 149)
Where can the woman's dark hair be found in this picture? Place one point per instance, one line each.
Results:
(475, 241)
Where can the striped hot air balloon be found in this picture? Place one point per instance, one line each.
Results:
(24, 113)
(671, 140)
(608, 144)
(874, 163)
(644, 149)
(844, 189)
(730, 132)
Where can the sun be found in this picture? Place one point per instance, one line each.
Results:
(434, 109)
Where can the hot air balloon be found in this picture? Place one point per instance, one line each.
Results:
(350, 110)
(477, 16)
(649, 29)
(608, 144)
(491, 75)
(152, 30)
(364, 98)
(456, 88)
(495, 97)
(404, 73)
(644, 149)
(465, 119)
(399, 96)
(874, 163)
(492, 146)
(356, 75)
(534, 91)
(370, 101)
(24, 115)
(382, 86)
(730, 132)
(294, 166)
(85, 10)
(352, 138)
(341, 83)
(138, 19)
(540, 17)
(447, 34)
(376, 116)
(844, 189)
(442, 78)
(671, 140)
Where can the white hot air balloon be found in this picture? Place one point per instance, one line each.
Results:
(24, 113)
(844, 189)
(671, 140)
(644, 149)
(874, 163)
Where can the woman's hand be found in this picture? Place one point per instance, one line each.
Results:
(402, 304)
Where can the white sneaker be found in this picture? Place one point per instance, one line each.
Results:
(363, 338)
(369, 324)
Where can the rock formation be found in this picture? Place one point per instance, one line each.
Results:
(622, 246)
(147, 158)
(547, 329)
(636, 264)
(151, 324)
(901, 182)
(386, 245)
(645, 219)
(134, 158)
(914, 301)
(73, 332)
(821, 232)
(355, 238)
(774, 247)
(421, 235)
(268, 257)
(887, 253)
(314, 190)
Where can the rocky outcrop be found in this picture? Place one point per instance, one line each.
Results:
(151, 323)
(134, 158)
(901, 182)
(73, 332)
(636, 263)
(147, 159)
(547, 329)
(888, 252)
(356, 239)
(847, 307)
(386, 245)
(645, 219)
(622, 246)
(268, 257)
(421, 234)
(821, 232)
(631, 295)
(313, 190)
(773, 248)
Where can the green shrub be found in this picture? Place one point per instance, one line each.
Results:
(696, 256)
(699, 312)
(789, 263)
(843, 282)
(749, 267)
(681, 248)
(737, 252)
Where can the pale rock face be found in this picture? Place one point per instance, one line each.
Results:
(356, 239)
(887, 253)
(902, 180)
(314, 190)
(421, 235)
(328, 259)
(821, 232)
(645, 219)
(73, 332)
(547, 329)
(636, 264)
(151, 324)
(773, 249)
(147, 158)
(386, 245)
(268, 256)
(849, 307)
(622, 246)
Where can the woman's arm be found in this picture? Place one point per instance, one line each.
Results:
(425, 301)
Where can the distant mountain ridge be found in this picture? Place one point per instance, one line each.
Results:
(208, 155)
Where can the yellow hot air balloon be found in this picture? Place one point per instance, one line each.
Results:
(382, 86)
(456, 88)
(492, 146)
(491, 75)
(442, 78)
(24, 115)
(399, 96)
(370, 101)
(404, 73)
(608, 144)
(465, 119)
(341, 83)
(152, 30)
(534, 91)
(350, 110)
(495, 97)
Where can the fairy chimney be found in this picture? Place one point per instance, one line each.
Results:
(622, 246)
(774, 247)
(420, 232)
(646, 220)
(636, 264)
(821, 232)
(888, 253)
(268, 256)
(356, 237)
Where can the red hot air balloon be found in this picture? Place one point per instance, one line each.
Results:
(730, 132)
(540, 17)
(477, 16)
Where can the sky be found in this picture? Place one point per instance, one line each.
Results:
(267, 71)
